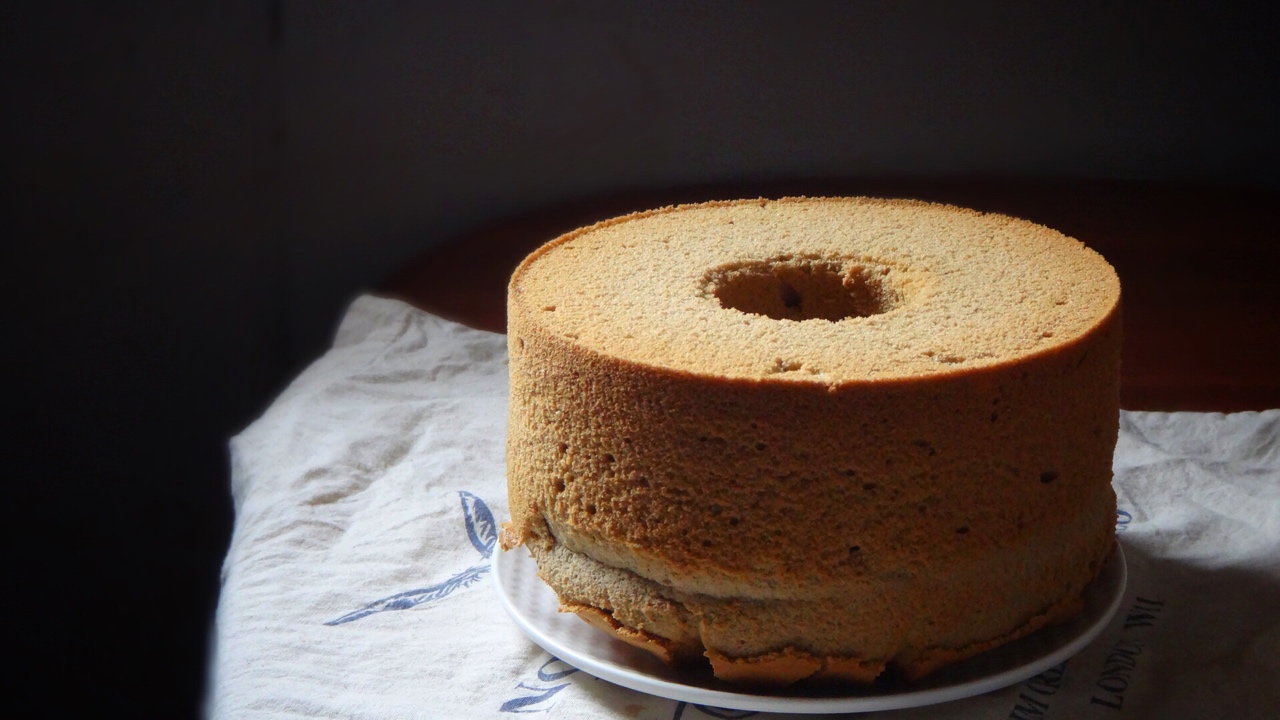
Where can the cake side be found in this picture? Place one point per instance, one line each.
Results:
(673, 476)
(797, 533)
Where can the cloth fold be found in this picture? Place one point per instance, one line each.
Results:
(367, 500)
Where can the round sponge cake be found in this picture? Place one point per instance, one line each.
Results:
(814, 437)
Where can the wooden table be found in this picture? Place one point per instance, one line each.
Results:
(1199, 269)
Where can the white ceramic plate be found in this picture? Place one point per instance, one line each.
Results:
(535, 609)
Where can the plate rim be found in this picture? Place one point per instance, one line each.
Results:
(648, 684)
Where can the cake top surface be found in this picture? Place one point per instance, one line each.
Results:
(815, 290)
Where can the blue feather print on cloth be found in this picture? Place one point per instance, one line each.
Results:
(541, 699)
(481, 528)
(483, 533)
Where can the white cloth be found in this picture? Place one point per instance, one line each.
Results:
(356, 584)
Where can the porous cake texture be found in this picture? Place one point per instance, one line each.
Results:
(814, 437)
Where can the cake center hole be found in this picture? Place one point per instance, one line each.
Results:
(805, 289)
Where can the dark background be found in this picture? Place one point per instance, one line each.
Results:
(195, 190)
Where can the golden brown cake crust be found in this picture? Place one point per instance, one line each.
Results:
(664, 648)
(821, 433)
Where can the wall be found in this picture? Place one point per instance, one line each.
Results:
(407, 124)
